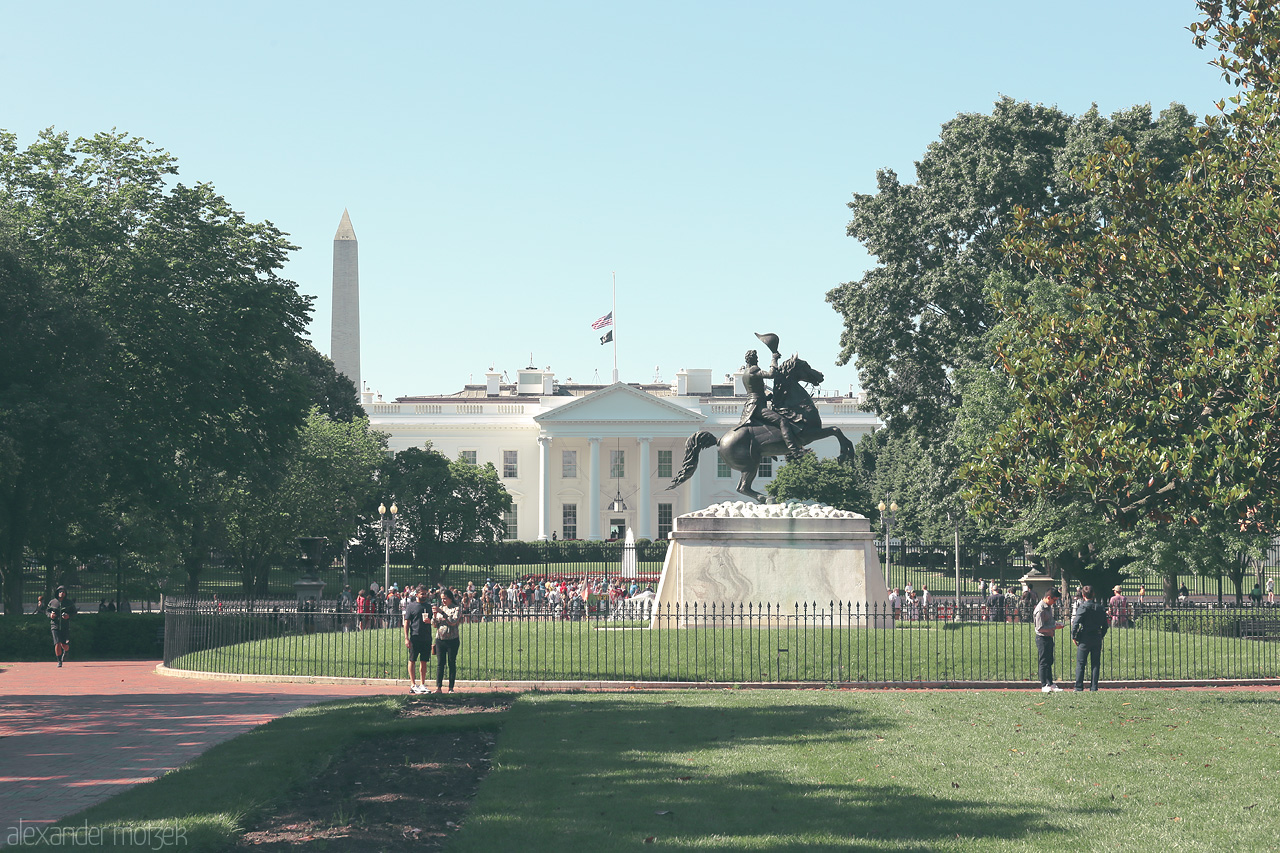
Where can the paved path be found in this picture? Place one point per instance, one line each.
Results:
(74, 736)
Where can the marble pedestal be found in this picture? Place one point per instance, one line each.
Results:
(782, 566)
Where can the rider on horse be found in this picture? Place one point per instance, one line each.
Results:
(756, 409)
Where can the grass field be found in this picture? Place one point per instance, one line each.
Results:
(801, 770)
(550, 650)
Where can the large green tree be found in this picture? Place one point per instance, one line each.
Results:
(842, 485)
(1154, 394)
(168, 307)
(922, 312)
(329, 471)
(441, 504)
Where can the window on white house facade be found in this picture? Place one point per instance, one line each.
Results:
(511, 519)
(569, 521)
(722, 468)
(468, 456)
(617, 464)
(766, 467)
(510, 464)
(664, 520)
(664, 464)
(568, 464)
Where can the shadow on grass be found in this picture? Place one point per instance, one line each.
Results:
(601, 772)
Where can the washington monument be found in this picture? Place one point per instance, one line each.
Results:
(344, 343)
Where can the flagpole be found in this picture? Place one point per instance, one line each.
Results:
(615, 327)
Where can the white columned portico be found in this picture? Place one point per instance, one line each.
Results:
(593, 499)
(642, 511)
(544, 487)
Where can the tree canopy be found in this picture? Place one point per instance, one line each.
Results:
(923, 312)
(827, 481)
(157, 336)
(442, 502)
(1153, 394)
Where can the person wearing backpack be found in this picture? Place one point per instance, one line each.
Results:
(1088, 627)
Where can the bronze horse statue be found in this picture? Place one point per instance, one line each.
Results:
(743, 448)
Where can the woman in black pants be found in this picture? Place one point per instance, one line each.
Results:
(445, 619)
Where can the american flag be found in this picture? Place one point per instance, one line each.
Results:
(606, 320)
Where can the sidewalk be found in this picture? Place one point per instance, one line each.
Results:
(74, 736)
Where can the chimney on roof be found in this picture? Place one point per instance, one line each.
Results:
(492, 383)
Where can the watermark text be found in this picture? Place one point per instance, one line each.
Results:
(142, 837)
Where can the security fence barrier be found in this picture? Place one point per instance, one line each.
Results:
(917, 564)
(635, 641)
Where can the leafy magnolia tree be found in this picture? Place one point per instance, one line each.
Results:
(1154, 395)
(159, 300)
(922, 312)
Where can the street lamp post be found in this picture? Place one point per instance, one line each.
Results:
(388, 527)
(886, 516)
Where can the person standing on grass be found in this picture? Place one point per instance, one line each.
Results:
(417, 637)
(1271, 590)
(445, 619)
(1046, 623)
(364, 610)
(1118, 609)
(60, 610)
(995, 606)
(1088, 627)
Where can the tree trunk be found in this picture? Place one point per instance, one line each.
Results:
(1170, 582)
(11, 577)
(11, 559)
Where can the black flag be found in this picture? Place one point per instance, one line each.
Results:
(608, 336)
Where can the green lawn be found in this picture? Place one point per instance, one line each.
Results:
(546, 650)
(811, 770)
(797, 771)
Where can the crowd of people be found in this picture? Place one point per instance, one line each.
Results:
(557, 597)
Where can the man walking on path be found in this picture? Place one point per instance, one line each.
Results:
(1045, 624)
(417, 638)
(60, 611)
(1088, 627)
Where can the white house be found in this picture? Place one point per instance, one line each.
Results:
(589, 461)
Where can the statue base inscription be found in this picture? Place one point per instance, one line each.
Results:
(781, 560)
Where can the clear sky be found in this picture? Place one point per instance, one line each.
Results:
(501, 161)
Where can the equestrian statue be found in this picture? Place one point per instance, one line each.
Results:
(771, 424)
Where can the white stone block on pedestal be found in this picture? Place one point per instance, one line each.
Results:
(783, 559)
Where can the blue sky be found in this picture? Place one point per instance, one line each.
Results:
(501, 161)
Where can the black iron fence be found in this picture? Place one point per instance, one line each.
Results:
(620, 640)
(915, 564)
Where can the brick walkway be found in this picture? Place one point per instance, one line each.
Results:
(72, 737)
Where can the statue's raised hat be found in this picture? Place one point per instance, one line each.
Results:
(770, 340)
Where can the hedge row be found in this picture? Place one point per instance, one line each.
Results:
(94, 636)
(1209, 624)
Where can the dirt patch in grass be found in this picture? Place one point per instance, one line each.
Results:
(406, 793)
